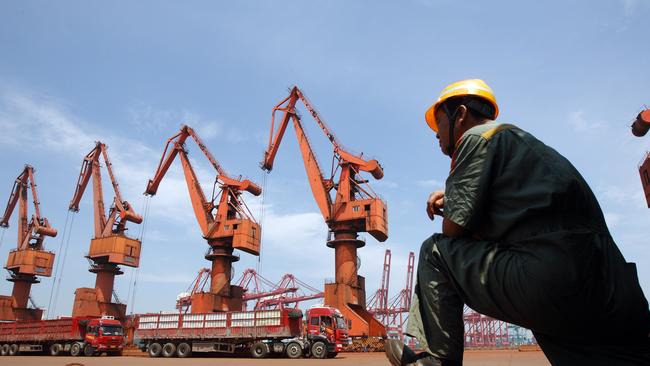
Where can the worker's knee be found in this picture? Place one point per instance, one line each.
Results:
(429, 250)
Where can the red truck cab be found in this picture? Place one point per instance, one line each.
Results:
(328, 322)
(103, 335)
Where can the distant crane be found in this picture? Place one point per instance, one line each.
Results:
(378, 303)
(184, 299)
(354, 208)
(225, 221)
(29, 259)
(110, 246)
(281, 295)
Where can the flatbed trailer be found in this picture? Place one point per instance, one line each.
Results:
(260, 333)
(76, 335)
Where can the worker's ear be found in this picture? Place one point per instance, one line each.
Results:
(461, 116)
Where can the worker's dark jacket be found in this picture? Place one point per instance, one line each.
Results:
(539, 255)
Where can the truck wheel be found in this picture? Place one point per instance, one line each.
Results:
(88, 350)
(4, 350)
(294, 350)
(13, 350)
(319, 350)
(155, 349)
(169, 350)
(76, 349)
(55, 349)
(259, 350)
(184, 350)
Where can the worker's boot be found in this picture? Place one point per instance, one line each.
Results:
(401, 355)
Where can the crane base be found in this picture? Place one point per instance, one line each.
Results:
(351, 302)
(206, 302)
(10, 313)
(86, 303)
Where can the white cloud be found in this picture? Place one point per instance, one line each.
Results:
(431, 183)
(583, 124)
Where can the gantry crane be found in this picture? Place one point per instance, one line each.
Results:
(378, 302)
(354, 208)
(232, 226)
(110, 246)
(29, 259)
(639, 128)
(184, 300)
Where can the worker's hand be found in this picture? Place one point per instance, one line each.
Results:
(435, 204)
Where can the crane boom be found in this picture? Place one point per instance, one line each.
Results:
(29, 259)
(110, 247)
(226, 224)
(354, 208)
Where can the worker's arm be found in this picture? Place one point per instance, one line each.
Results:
(435, 206)
(450, 228)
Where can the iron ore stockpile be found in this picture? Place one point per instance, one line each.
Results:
(252, 317)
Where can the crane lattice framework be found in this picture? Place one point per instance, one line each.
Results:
(354, 208)
(393, 312)
(110, 247)
(29, 259)
(225, 221)
(482, 331)
(288, 292)
(184, 300)
(378, 302)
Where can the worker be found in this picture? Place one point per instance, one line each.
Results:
(524, 241)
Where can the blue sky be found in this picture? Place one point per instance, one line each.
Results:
(574, 73)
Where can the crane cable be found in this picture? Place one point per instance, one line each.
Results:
(2, 236)
(262, 212)
(136, 274)
(60, 264)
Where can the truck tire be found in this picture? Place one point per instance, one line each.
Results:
(184, 350)
(4, 350)
(88, 350)
(13, 350)
(155, 349)
(55, 349)
(259, 350)
(76, 349)
(169, 350)
(294, 350)
(319, 349)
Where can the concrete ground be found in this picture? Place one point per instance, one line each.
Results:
(472, 358)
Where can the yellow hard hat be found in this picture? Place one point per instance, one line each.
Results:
(470, 87)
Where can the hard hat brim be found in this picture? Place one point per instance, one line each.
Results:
(430, 117)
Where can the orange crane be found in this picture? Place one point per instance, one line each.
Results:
(231, 227)
(110, 246)
(29, 259)
(184, 300)
(355, 208)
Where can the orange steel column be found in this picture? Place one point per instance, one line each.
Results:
(105, 281)
(345, 257)
(222, 259)
(22, 287)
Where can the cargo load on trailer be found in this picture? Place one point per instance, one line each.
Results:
(259, 333)
(75, 336)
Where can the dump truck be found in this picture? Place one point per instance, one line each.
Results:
(260, 333)
(76, 336)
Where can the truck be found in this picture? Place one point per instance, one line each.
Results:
(76, 336)
(260, 333)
